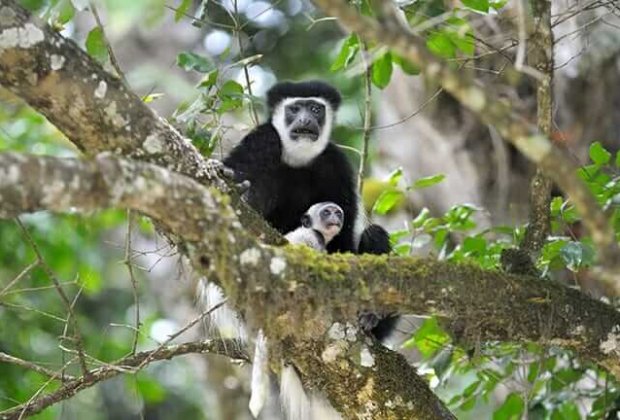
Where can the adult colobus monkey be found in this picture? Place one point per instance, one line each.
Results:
(291, 164)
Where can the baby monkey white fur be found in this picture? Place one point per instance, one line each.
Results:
(321, 223)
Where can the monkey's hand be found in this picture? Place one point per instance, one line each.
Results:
(216, 170)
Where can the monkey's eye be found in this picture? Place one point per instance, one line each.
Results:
(294, 108)
(325, 213)
(338, 213)
(315, 109)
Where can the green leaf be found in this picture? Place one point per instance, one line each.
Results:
(231, 88)
(567, 411)
(64, 12)
(461, 35)
(429, 338)
(406, 66)
(498, 4)
(421, 218)
(191, 61)
(381, 71)
(474, 244)
(152, 97)
(387, 200)
(598, 154)
(95, 45)
(347, 53)
(32, 5)
(533, 372)
(428, 181)
(511, 409)
(209, 80)
(440, 44)
(182, 10)
(395, 177)
(479, 5)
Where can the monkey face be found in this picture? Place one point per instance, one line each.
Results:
(326, 217)
(304, 119)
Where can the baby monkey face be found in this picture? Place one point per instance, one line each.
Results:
(326, 218)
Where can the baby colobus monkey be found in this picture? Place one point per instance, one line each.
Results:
(320, 224)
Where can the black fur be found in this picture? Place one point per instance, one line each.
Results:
(380, 326)
(374, 240)
(311, 88)
(282, 194)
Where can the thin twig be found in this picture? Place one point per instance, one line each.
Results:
(63, 296)
(7, 358)
(246, 72)
(108, 46)
(181, 331)
(134, 282)
(65, 334)
(410, 116)
(367, 117)
(20, 276)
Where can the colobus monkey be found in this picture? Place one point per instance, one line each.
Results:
(291, 164)
(320, 224)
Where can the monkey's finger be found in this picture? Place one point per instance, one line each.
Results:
(244, 186)
(216, 169)
(228, 172)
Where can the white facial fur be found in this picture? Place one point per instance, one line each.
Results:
(299, 153)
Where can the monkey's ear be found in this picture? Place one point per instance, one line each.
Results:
(306, 221)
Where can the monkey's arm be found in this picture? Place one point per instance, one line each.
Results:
(254, 161)
(257, 154)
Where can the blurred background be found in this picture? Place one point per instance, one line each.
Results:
(443, 183)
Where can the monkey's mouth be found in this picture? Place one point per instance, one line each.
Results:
(307, 133)
(333, 228)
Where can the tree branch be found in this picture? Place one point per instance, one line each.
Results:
(541, 58)
(130, 364)
(308, 291)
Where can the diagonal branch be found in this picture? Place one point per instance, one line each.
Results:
(93, 108)
(389, 31)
